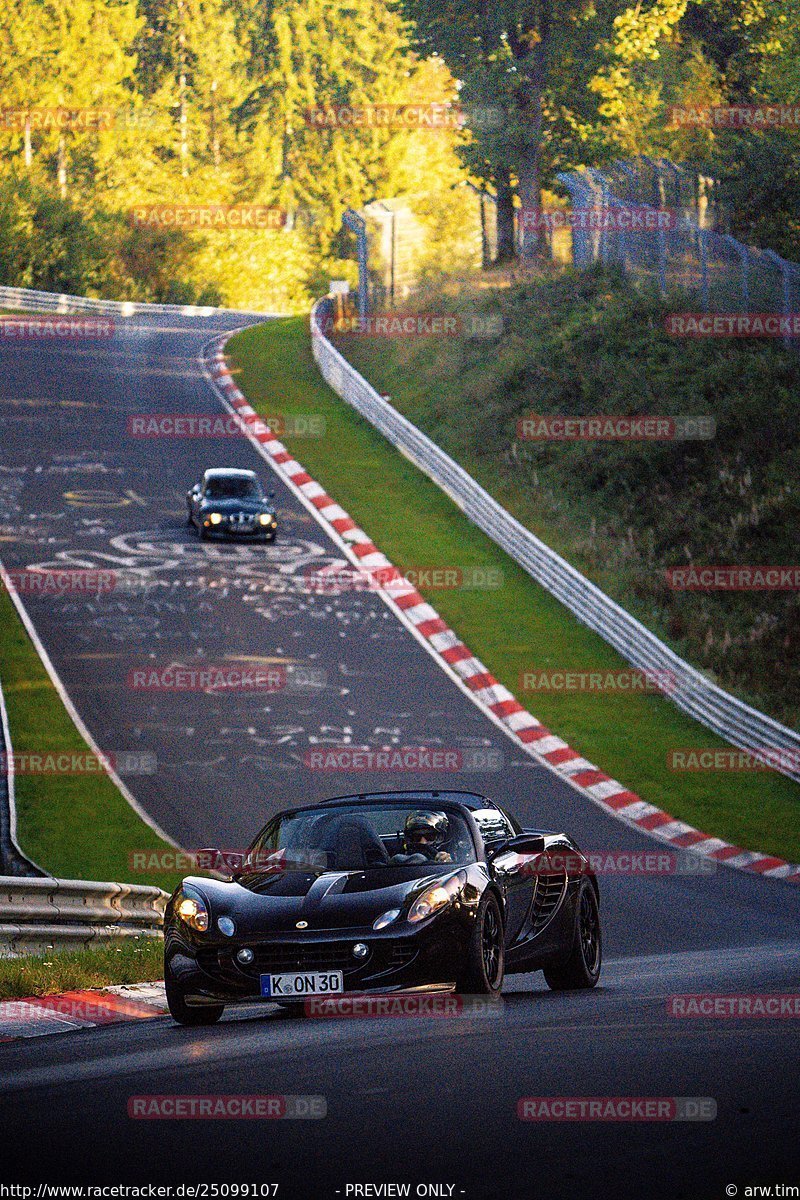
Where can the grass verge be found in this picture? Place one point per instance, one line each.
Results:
(75, 826)
(134, 961)
(514, 628)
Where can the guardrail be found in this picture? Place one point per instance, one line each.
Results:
(690, 689)
(30, 300)
(44, 914)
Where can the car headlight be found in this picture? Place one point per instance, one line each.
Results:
(192, 908)
(436, 897)
(265, 519)
(386, 918)
(215, 518)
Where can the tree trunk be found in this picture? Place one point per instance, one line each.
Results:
(62, 167)
(534, 74)
(532, 238)
(506, 248)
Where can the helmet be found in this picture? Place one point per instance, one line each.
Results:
(426, 831)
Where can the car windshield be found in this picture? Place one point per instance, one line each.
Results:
(233, 487)
(356, 838)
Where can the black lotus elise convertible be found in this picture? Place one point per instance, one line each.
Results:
(383, 893)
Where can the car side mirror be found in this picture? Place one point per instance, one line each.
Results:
(523, 843)
(518, 856)
(271, 494)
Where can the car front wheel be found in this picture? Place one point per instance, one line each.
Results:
(582, 968)
(485, 965)
(185, 1014)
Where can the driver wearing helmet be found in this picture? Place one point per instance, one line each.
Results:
(424, 837)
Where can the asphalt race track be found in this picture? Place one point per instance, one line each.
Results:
(415, 1100)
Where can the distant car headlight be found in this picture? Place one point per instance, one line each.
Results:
(215, 518)
(192, 908)
(436, 897)
(265, 519)
(386, 918)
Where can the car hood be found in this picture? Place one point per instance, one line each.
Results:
(273, 903)
(232, 505)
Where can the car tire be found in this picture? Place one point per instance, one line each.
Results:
(203, 533)
(485, 965)
(582, 968)
(185, 1014)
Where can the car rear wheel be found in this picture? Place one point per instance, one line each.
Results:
(582, 968)
(485, 965)
(185, 1014)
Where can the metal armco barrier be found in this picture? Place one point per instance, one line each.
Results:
(46, 302)
(44, 914)
(693, 692)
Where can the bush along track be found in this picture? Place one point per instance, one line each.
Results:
(275, 367)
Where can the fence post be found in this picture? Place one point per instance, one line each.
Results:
(703, 247)
(580, 238)
(354, 221)
(744, 259)
(783, 265)
(662, 261)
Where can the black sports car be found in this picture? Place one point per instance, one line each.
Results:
(381, 893)
(231, 503)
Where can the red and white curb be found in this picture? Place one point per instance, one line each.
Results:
(36, 1016)
(494, 699)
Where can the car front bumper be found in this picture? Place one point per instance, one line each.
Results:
(432, 957)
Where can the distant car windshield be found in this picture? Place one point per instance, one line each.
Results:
(357, 838)
(233, 487)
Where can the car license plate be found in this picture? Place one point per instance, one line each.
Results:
(295, 984)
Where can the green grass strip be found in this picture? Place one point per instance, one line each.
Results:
(134, 960)
(75, 826)
(517, 627)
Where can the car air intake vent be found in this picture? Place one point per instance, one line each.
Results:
(327, 957)
(549, 890)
